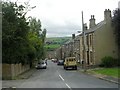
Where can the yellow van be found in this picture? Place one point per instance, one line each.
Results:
(70, 62)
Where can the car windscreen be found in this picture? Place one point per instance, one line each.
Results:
(60, 60)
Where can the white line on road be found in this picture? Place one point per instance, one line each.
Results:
(68, 86)
(61, 77)
(64, 81)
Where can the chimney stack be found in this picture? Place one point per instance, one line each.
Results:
(107, 15)
(73, 36)
(92, 22)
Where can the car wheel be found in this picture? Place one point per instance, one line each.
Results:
(65, 68)
(75, 67)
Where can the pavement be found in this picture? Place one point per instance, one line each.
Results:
(26, 74)
(10, 84)
(101, 76)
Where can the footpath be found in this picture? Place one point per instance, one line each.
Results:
(11, 84)
(100, 76)
(26, 74)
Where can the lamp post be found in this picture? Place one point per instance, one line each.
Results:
(83, 43)
(83, 32)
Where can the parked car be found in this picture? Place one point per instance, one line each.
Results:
(54, 60)
(60, 62)
(41, 65)
(46, 62)
(70, 62)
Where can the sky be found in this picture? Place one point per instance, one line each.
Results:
(63, 17)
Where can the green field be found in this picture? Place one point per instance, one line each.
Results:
(55, 42)
(52, 47)
(114, 72)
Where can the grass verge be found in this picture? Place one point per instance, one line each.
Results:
(114, 72)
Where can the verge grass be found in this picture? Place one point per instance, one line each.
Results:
(114, 72)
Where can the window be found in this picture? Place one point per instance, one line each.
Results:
(83, 53)
(82, 41)
(91, 57)
(87, 40)
(90, 40)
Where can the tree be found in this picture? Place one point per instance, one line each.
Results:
(37, 37)
(22, 40)
(43, 37)
(14, 33)
(35, 26)
(116, 24)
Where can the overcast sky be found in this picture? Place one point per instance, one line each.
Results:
(63, 17)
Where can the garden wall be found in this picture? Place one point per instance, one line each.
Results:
(10, 71)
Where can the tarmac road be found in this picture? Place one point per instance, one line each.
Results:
(56, 77)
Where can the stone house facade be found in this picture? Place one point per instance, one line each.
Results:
(99, 40)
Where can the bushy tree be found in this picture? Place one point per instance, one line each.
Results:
(22, 41)
(14, 33)
(43, 37)
(116, 24)
(108, 61)
(37, 37)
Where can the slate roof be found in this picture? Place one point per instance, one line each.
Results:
(96, 27)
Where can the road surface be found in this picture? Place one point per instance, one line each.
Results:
(56, 77)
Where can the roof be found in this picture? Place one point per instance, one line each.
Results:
(70, 41)
(77, 37)
(96, 27)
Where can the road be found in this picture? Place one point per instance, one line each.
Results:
(56, 77)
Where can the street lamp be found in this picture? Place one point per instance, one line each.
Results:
(84, 48)
(83, 30)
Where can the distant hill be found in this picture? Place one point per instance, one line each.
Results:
(55, 42)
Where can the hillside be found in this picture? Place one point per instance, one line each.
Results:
(55, 42)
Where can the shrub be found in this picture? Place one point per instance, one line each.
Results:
(108, 61)
(117, 62)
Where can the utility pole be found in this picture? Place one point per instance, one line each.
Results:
(84, 63)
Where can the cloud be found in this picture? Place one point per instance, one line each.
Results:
(61, 28)
(63, 17)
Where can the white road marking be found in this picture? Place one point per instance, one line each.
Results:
(64, 81)
(61, 77)
(68, 86)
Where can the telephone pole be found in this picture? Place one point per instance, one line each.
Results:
(83, 31)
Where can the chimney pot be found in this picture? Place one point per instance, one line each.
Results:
(92, 21)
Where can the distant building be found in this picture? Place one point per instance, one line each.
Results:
(76, 47)
(50, 54)
(58, 53)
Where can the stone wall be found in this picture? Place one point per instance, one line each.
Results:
(10, 71)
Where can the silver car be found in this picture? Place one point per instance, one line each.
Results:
(41, 65)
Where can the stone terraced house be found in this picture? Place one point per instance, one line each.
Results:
(99, 40)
